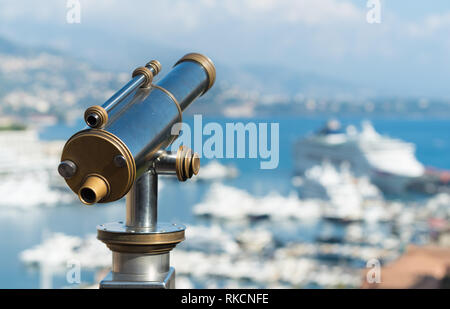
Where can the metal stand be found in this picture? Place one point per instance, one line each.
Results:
(155, 270)
(122, 152)
(141, 246)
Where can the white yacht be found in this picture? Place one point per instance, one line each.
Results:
(389, 163)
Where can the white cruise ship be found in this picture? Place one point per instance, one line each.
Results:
(389, 163)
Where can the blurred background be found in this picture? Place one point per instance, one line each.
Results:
(363, 106)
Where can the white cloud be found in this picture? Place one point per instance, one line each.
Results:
(265, 26)
(189, 13)
(310, 12)
(429, 25)
(330, 37)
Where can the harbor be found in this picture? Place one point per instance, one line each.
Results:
(238, 234)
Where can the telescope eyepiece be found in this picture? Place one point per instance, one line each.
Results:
(92, 120)
(88, 195)
(94, 189)
(96, 117)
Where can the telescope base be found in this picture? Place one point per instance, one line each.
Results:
(167, 283)
(140, 257)
(161, 239)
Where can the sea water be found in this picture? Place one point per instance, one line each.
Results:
(23, 229)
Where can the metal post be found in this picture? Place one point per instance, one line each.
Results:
(136, 265)
(142, 203)
(141, 246)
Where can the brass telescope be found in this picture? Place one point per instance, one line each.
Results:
(122, 151)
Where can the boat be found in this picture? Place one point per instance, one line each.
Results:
(389, 163)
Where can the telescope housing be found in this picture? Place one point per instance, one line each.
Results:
(122, 152)
(131, 129)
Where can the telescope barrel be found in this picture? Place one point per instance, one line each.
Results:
(146, 127)
(136, 122)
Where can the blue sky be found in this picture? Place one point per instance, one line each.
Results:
(413, 9)
(406, 55)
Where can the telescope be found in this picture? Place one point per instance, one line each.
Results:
(122, 151)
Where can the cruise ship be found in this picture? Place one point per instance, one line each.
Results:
(389, 163)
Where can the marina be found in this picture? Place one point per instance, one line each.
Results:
(238, 223)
